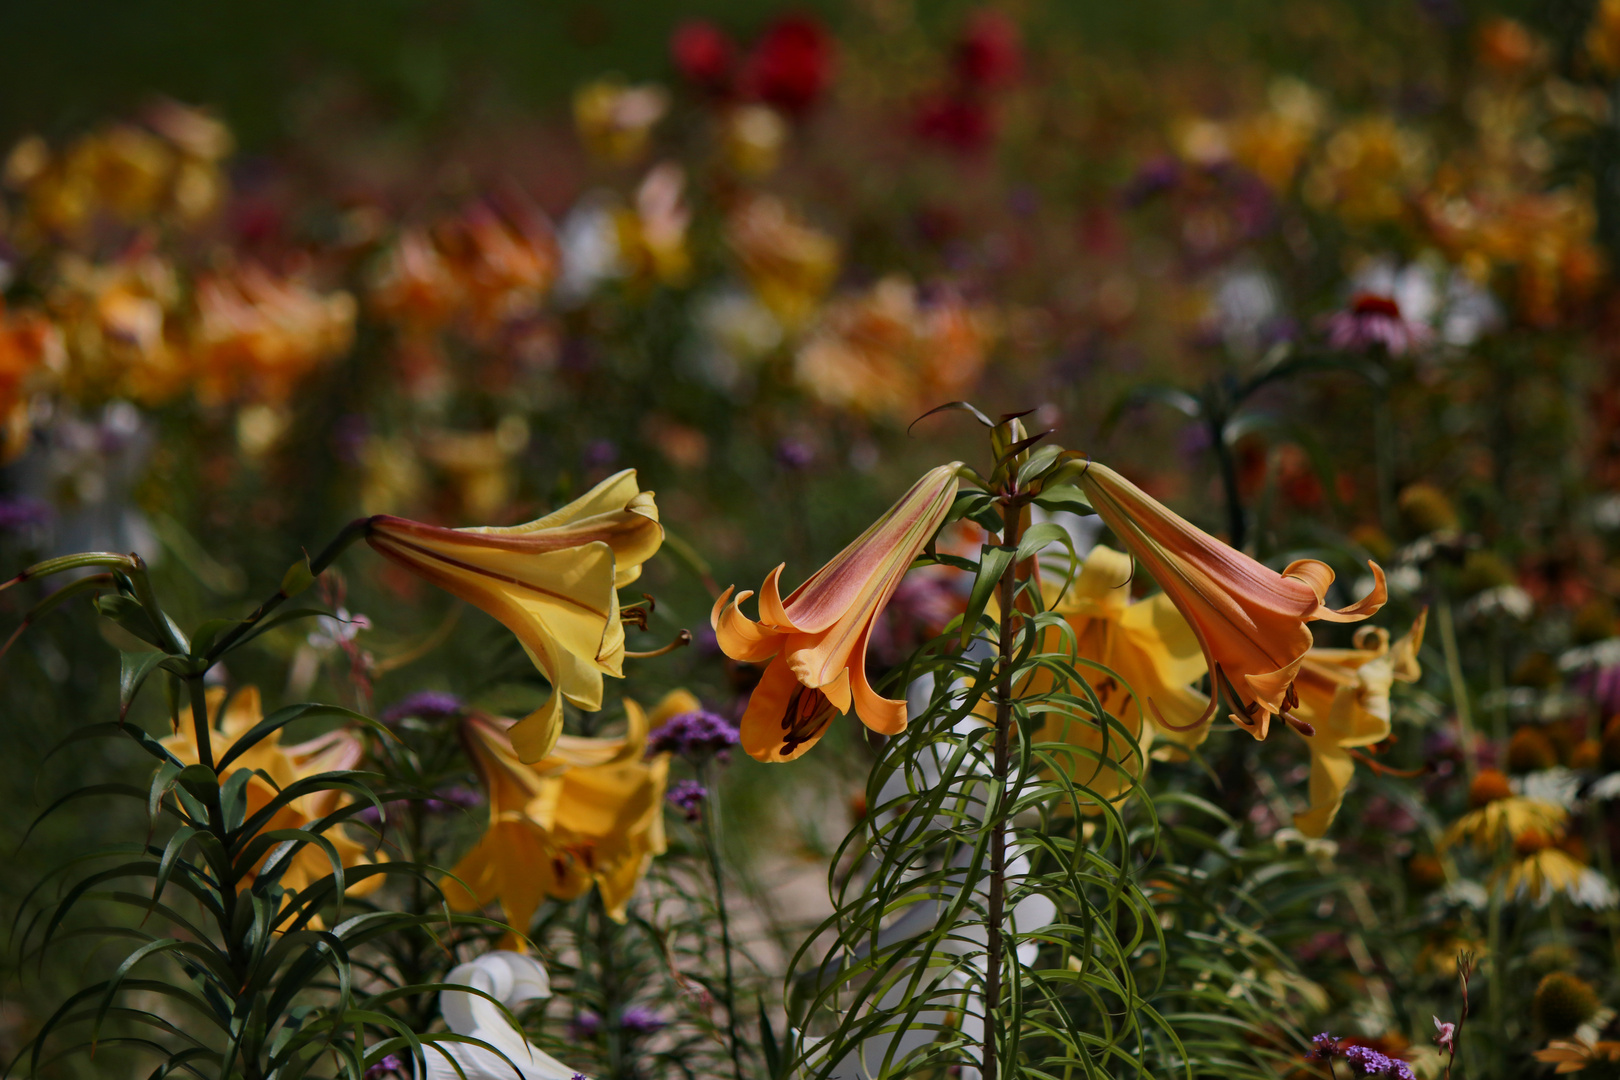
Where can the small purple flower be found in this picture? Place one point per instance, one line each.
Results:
(423, 705)
(1370, 1062)
(1156, 176)
(1323, 1048)
(688, 797)
(391, 1065)
(694, 735)
(22, 512)
(794, 455)
(637, 1021)
(1371, 321)
(600, 453)
(454, 797)
(585, 1026)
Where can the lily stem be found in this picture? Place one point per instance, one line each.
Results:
(351, 532)
(995, 810)
(711, 843)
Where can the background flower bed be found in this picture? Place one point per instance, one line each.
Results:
(216, 356)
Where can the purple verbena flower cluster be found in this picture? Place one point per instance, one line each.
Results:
(422, 705)
(694, 735)
(688, 797)
(1362, 1059)
(392, 1065)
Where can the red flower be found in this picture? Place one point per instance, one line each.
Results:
(957, 121)
(791, 65)
(989, 54)
(703, 54)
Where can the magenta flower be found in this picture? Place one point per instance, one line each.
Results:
(1371, 321)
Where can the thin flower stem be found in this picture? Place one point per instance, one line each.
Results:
(711, 843)
(1459, 688)
(1008, 587)
(351, 532)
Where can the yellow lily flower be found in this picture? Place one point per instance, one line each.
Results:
(1250, 620)
(553, 582)
(1344, 695)
(590, 813)
(816, 640)
(1154, 653)
(275, 767)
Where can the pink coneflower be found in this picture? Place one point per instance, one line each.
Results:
(1372, 319)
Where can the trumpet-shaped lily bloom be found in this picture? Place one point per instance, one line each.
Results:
(1149, 650)
(553, 582)
(816, 640)
(1250, 620)
(1344, 696)
(590, 813)
(274, 768)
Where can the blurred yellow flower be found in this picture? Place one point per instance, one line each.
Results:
(887, 352)
(1149, 649)
(275, 767)
(590, 813)
(1344, 695)
(1368, 171)
(652, 236)
(816, 640)
(789, 264)
(752, 137)
(478, 464)
(616, 120)
(1271, 144)
(553, 582)
(1501, 820)
(121, 328)
(166, 170)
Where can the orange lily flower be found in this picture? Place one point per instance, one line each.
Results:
(553, 582)
(1250, 620)
(1344, 696)
(816, 640)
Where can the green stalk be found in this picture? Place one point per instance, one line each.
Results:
(351, 532)
(1459, 688)
(995, 811)
(711, 844)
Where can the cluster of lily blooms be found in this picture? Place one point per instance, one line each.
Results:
(566, 812)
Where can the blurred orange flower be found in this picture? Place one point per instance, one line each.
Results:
(258, 335)
(886, 352)
(789, 264)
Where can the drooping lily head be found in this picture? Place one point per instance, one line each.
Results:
(553, 582)
(1250, 620)
(816, 639)
(591, 813)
